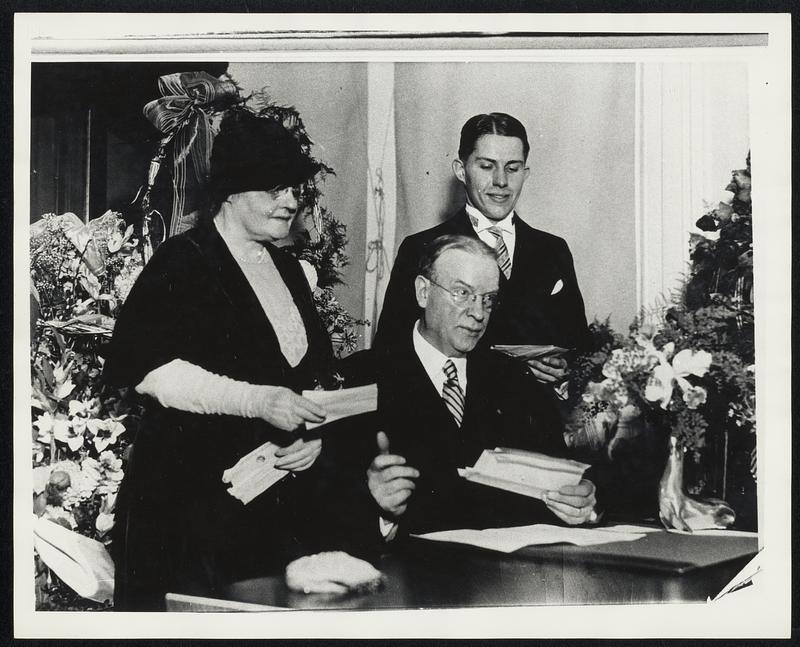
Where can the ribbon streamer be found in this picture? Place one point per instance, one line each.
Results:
(376, 257)
(182, 115)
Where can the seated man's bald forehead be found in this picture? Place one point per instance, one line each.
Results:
(474, 270)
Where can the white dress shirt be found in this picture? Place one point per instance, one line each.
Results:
(481, 225)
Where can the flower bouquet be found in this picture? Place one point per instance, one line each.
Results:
(80, 276)
(676, 381)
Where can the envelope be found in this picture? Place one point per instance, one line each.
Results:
(254, 473)
(529, 351)
(343, 403)
(528, 473)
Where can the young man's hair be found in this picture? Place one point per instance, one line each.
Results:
(495, 123)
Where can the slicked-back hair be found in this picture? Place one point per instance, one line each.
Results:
(495, 123)
(438, 246)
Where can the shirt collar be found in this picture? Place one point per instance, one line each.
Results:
(433, 360)
(482, 223)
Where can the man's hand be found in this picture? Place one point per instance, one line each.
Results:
(390, 479)
(573, 504)
(285, 409)
(298, 456)
(550, 369)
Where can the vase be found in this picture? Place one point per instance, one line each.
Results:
(680, 511)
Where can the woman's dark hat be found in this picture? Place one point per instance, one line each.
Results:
(256, 154)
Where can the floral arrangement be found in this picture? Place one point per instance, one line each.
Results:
(676, 375)
(80, 276)
(690, 374)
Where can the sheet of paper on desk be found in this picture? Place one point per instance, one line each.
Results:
(528, 351)
(523, 472)
(343, 403)
(507, 540)
(254, 473)
(716, 532)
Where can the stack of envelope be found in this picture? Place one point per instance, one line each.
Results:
(528, 473)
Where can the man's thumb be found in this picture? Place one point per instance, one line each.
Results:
(383, 443)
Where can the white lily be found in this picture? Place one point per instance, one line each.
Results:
(665, 376)
(62, 376)
(110, 461)
(105, 432)
(66, 434)
(81, 407)
(44, 423)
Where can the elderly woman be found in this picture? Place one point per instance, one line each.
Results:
(219, 335)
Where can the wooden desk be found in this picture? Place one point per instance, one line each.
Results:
(426, 574)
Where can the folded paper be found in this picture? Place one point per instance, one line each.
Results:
(523, 472)
(343, 403)
(529, 351)
(254, 473)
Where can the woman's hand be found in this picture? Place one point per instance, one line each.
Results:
(298, 456)
(285, 409)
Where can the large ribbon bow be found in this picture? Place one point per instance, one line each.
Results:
(182, 114)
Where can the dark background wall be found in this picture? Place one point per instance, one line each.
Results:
(90, 143)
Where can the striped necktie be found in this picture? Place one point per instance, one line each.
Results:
(452, 394)
(501, 251)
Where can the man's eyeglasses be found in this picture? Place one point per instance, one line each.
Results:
(465, 298)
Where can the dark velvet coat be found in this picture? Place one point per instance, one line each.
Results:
(504, 407)
(177, 528)
(527, 312)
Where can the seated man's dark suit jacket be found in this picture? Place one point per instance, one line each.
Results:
(527, 312)
(504, 407)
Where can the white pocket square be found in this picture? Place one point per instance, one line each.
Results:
(557, 287)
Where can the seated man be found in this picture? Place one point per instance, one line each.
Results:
(441, 402)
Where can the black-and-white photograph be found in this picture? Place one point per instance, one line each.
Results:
(413, 319)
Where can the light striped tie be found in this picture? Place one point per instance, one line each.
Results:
(501, 251)
(452, 394)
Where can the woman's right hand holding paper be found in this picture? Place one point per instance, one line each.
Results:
(286, 410)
